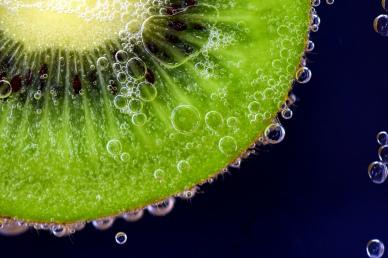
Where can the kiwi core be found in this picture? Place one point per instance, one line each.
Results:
(67, 25)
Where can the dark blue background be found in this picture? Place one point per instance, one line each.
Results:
(309, 197)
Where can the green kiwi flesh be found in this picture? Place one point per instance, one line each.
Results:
(119, 113)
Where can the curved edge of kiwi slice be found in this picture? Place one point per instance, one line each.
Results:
(11, 226)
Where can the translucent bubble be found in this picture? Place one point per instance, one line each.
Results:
(287, 114)
(214, 120)
(133, 216)
(383, 153)
(139, 119)
(124, 157)
(121, 238)
(316, 3)
(5, 89)
(254, 107)
(148, 92)
(315, 22)
(121, 56)
(330, 2)
(377, 172)
(136, 68)
(120, 101)
(232, 122)
(227, 145)
(103, 224)
(185, 119)
(375, 248)
(38, 95)
(274, 133)
(183, 166)
(303, 75)
(114, 147)
(58, 231)
(135, 105)
(310, 46)
(380, 25)
(384, 5)
(382, 138)
(188, 194)
(159, 174)
(13, 228)
(162, 208)
(102, 63)
(121, 77)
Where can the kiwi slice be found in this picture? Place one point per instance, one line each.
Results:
(110, 106)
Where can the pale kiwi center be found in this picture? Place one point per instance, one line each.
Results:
(64, 24)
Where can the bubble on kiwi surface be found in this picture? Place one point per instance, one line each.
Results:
(141, 99)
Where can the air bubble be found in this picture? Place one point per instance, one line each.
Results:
(120, 101)
(183, 166)
(232, 122)
(103, 224)
(121, 77)
(316, 3)
(383, 153)
(214, 120)
(102, 63)
(124, 157)
(159, 174)
(377, 172)
(310, 46)
(38, 95)
(139, 119)
(5, 89)
(375, 248)
(185, 119)
(136, 68)
(227, 145)
(58, 231)
(274, 133)
(384, 5)
(135, 105)
(303, 75)
(287, 113)
(121, 238)
(254, 107)
(121, 56)
(133, 216)
(382, 138)
(186, 195)
(380, 25)
(114, 147)
(148, 92)
(162, 208)
(330, 2)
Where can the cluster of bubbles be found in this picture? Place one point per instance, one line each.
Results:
(102, 10)
(378, 170)
(378, 173)
(380, 24)
(114, 148)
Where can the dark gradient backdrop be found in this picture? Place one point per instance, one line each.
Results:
(309, 197)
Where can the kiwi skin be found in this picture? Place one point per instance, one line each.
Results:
(260, 139)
